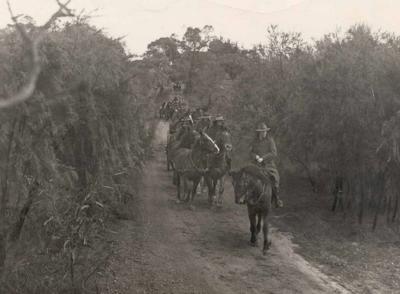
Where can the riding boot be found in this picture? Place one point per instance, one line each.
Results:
(278, 203)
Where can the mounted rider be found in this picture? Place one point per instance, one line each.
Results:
(263, 154)
(196, 114)
(215, 132)
(177, 116)
(184, 136)
(203, 122)
(186, 124)
(218, 126)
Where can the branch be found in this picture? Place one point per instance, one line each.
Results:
(28, 89)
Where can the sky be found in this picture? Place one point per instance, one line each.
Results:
(243, 21)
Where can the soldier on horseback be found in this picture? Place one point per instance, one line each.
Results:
(217, 127)
(197, 113)
(216, 130)
(185, 129)
(203, 122)
(263, 153)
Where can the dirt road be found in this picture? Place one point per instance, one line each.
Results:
(168, 248)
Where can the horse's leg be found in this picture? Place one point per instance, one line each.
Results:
(178, 186)
(252, 217)
(259, 223)
(203, 186)
(199, 190)
(175, 178)
(186, 189)
(213, 190)
(166, 155)
(221, 184)
(192, 193)
(170, 165)
(267, 241)
(208, 181)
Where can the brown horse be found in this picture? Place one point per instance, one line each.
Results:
(177, 141)
(219, 165)
(256, 193)
(183, 136)
(191, 164)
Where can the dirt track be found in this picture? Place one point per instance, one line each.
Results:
(168, 248)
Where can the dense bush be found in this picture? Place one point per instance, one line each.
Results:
(64, 154)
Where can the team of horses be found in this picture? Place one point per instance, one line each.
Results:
(196, 157)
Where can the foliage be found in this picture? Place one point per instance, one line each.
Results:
(63, 154)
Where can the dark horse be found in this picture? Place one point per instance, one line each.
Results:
(257, 195)
(190, 165)
(184, 138)
(218, 166)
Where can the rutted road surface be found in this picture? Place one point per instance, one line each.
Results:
(168, 248)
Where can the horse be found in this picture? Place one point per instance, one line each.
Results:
(256, 193)
(219, 165)
(186, 140)
(191, 164)
(184, 137)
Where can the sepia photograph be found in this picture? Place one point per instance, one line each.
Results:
(199, 146)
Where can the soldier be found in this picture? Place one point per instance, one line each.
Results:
(189, 135)
(175, 102)
(175, 120)
(217, 127)
(203, 122)
(263, 153)
(197, 113)
(186, 125)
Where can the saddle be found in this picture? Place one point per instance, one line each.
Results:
(257, 172)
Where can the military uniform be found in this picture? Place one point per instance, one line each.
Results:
(263, 154)
(216, 129)
(197, 114)
(203, 123)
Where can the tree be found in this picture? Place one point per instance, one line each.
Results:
(194, 41)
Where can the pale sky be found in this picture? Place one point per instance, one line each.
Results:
(244, 21)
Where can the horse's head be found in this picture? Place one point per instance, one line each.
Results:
(207, 144)
(224, 142)
(240, 184)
